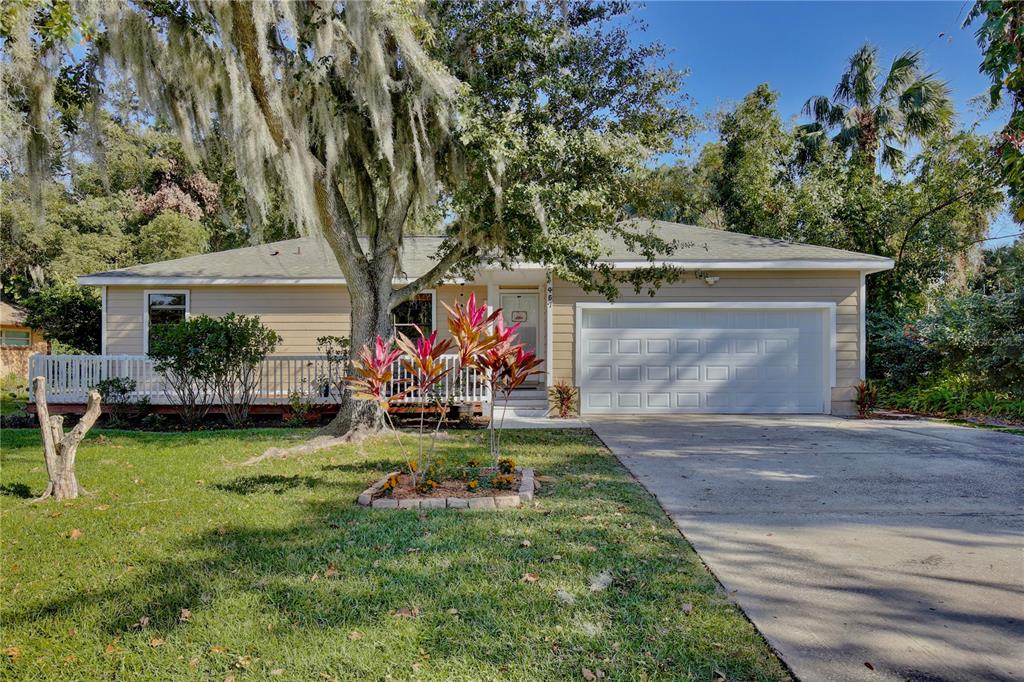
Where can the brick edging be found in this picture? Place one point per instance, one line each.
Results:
(527, 484)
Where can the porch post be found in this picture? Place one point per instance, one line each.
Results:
(549, 334)
(493, 301)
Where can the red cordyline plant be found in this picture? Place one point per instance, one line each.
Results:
(487, 345)
(373, 374)
(423, 362)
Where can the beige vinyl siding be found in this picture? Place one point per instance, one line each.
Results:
(842, 288)
(452, 294)
(299, 314)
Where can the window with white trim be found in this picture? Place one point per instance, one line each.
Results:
(418, 312)
(15, 338)
(164, 307)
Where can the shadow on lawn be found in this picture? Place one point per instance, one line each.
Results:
(269, 483)
(16, 490)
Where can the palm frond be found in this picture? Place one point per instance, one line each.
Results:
(893, 157)
(817, 108)
(926, 106)
(905, 69)
(857, 84)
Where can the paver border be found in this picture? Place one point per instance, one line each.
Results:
(527, 485)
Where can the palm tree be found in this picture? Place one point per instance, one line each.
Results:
(875, 119)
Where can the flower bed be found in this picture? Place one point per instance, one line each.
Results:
(396, 491)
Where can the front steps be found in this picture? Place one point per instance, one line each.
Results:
(524, 402)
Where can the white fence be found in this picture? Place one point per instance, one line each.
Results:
(69, 378)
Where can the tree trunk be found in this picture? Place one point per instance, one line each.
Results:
(371, 317)
(59, 448)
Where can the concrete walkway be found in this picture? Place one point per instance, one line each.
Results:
(862, 550)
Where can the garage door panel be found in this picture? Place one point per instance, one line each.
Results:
(679, 360)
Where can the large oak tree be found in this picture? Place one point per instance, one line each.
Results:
(519, 131)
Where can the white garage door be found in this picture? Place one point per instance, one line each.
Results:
(651, 359)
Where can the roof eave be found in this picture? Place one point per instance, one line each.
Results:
(866, 266)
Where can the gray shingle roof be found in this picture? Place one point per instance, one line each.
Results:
(310, 259)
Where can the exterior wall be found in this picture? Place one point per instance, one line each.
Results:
(452, 294)
(14, 359)
(842, 288)
(298, 313)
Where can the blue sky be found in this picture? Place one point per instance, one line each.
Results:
(801, 48)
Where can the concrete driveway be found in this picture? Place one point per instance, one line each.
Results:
(862, 550)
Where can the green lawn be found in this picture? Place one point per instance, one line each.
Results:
(283, 577)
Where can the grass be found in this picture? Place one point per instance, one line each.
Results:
(13, 395)
(284, 577)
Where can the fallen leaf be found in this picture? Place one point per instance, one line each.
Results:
(601, 581)
(600, 673)
(588, 674)
(556, 557)
(230, 677)
(143, 622)
(12, 652)
(867, 664)
(221, 530)
(155, 642)
(530, 578)
(405, 612)
(686, 608)
(102, 507)
(453, 612)
(244, 662)
(565, 597)
(525, 543)
(71, 658)
(217, 649)
(355, 635)
(75, 534)
(185, 616)
(719, 676)
(277, 672)
(331, 571)
(110, 649)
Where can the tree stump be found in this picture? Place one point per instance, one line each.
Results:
(59, 447)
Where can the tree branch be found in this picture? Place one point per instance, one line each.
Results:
(246, 42)
(92, 413)
(912, 228)
(431, 277)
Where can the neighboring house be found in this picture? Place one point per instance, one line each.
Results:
(754, 325)
(17, 342)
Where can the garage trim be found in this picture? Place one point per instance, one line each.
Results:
(827, 308)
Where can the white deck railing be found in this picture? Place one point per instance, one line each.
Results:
(69, 378)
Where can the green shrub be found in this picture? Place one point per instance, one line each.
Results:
(204, 358)
(117, 397)
(952, 396)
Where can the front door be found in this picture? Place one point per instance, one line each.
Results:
(524, 308)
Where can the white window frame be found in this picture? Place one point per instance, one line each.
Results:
(145, 310)
(433, 308)
(826, 308)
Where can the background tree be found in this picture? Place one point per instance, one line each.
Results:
(1000, 35)
(874, 118)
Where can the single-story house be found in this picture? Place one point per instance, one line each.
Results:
(17, 341)
(755, 325)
